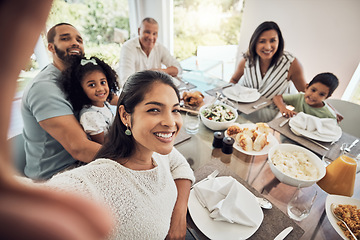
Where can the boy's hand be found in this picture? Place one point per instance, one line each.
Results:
(287, 113)
(339, 117)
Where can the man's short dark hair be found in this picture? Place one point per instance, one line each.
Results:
(52, 32)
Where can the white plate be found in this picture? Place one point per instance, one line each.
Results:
(322, 138)
(245, 98)
(271, 139)
(176, 81)
(338, 200)
(224, 230)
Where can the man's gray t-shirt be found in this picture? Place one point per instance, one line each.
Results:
(43, 99)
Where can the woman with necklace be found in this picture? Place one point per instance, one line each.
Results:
(267, 67)
(138, 173)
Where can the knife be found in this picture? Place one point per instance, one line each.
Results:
(260, 104)
(284, 233)
(284, 122)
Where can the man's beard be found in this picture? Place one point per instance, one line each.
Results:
(67, 58)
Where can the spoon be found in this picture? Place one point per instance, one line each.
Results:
(264, 203)
(333, 206)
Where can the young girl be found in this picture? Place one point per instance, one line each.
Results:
(90, 85)
(138, 173)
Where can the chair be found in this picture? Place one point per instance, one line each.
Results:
(350, 123)
(18, 153)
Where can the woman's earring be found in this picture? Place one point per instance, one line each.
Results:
(127, 131)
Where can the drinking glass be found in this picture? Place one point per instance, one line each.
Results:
(192, 122)
(301, 202)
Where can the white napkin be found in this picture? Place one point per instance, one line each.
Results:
(245, 92)
(223, 200)
(318, 126)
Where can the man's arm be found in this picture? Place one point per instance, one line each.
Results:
(173, 66)
(172, 71)
(68, 132)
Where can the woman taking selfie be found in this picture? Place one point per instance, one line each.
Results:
(138, 173)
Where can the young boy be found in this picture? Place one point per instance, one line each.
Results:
(312, 101)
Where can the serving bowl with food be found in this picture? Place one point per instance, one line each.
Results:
(218, 116)
(295, 165)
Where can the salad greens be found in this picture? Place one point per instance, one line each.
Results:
(218, 113)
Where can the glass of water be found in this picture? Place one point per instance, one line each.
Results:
(192, 122)
(301, 202)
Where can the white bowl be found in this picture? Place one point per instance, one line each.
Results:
(213, 125)
(284, 178)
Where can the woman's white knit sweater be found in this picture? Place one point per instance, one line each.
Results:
(141, 201)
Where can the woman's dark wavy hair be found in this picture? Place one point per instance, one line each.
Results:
(118, 144)
(265, 26)
(71, 81)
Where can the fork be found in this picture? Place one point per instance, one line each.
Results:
(211, 176)
(332, 207)
(348, 149)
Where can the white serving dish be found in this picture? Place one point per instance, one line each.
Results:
(213, 125)
(284, 178)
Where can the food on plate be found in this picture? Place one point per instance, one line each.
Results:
(233, 130)
(250, 139)
(218, 113)
(263, 128)
(260, 142)
(244, 141)
(296, 164)
(193, 98)
(349, 214)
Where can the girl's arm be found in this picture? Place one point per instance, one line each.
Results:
(279, 102)
(99, 138)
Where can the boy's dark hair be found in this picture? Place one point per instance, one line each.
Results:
(70, 81)
(328, 79)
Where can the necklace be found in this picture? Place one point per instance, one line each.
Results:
(139, 162)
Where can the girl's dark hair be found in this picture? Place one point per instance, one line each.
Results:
(265, 26)
(328, 79)
(72, 77)
(118, 144)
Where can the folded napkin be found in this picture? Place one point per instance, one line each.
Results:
(237, 90)
(319, 126)
(224, 201)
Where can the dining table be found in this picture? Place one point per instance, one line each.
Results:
(254, 173)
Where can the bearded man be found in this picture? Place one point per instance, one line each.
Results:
(54, 139)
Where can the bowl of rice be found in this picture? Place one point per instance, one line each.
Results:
(218, 116)
(295, 165)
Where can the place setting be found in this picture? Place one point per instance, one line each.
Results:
(246, 100)
(323, 136)
(226, 207)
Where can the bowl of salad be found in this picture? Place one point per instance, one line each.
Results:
(218, 116)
